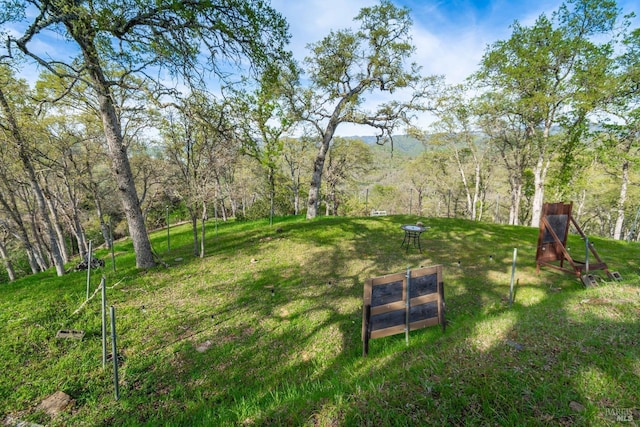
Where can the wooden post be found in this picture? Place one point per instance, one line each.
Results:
(408, 308)
(367, 330)
(441, 307)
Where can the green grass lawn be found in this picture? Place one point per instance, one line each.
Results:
(265, 330)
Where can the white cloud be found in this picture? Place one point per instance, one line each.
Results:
(312, 20)
(450, 35)
(455, 58)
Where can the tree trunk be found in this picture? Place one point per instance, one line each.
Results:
(296, 201)
(58, 229)
(233, 201)
(7, 263)
(74, 219)
(294, 174)
(35, 185)
(77, 232)
(103, 225)
(80, 242)
(202, 229)
(223, 209)
(38, 250)
(93, 188)
(465, 184)
(316, 177)
(514, 209)
(233, 204)
(622, 198)
(579, 206)
(194, 230)
(120, 166)
(539, 175)
(331, 199)
(476, 191)
(21, 233)
(272, 192)
(31, 257)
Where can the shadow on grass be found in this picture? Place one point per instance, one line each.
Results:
(273, 368)
(277, 342)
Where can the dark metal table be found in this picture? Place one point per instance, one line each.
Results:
(412, 234)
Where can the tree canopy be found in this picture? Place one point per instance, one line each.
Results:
(114, 40)
(195, 109)
(346, 65)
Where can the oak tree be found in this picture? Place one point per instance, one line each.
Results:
(154, 40)
(546, 72)
(347, 65)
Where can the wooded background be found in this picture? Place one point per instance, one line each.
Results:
(199, 111)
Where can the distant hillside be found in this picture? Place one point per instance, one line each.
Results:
(402, 144)
(405, 145)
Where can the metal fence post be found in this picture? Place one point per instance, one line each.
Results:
(89, 258)
(114, 351)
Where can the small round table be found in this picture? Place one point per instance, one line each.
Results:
(412, 233)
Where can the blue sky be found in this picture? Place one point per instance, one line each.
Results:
(450, 35)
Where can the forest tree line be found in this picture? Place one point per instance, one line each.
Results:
(130, 128)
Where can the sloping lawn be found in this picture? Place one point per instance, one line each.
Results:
(265, 330)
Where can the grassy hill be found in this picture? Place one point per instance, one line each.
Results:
(265, 330)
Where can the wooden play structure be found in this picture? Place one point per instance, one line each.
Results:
(552, 252)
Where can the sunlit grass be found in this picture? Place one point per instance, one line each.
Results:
(265, 330)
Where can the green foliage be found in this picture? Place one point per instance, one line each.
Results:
(19, 262)
(354, 206)
(261, 208)
(346, 65)
(174, 34)
(552, 73)
(12, 10)
(189, 40)
(564, 59)
(383, 197)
